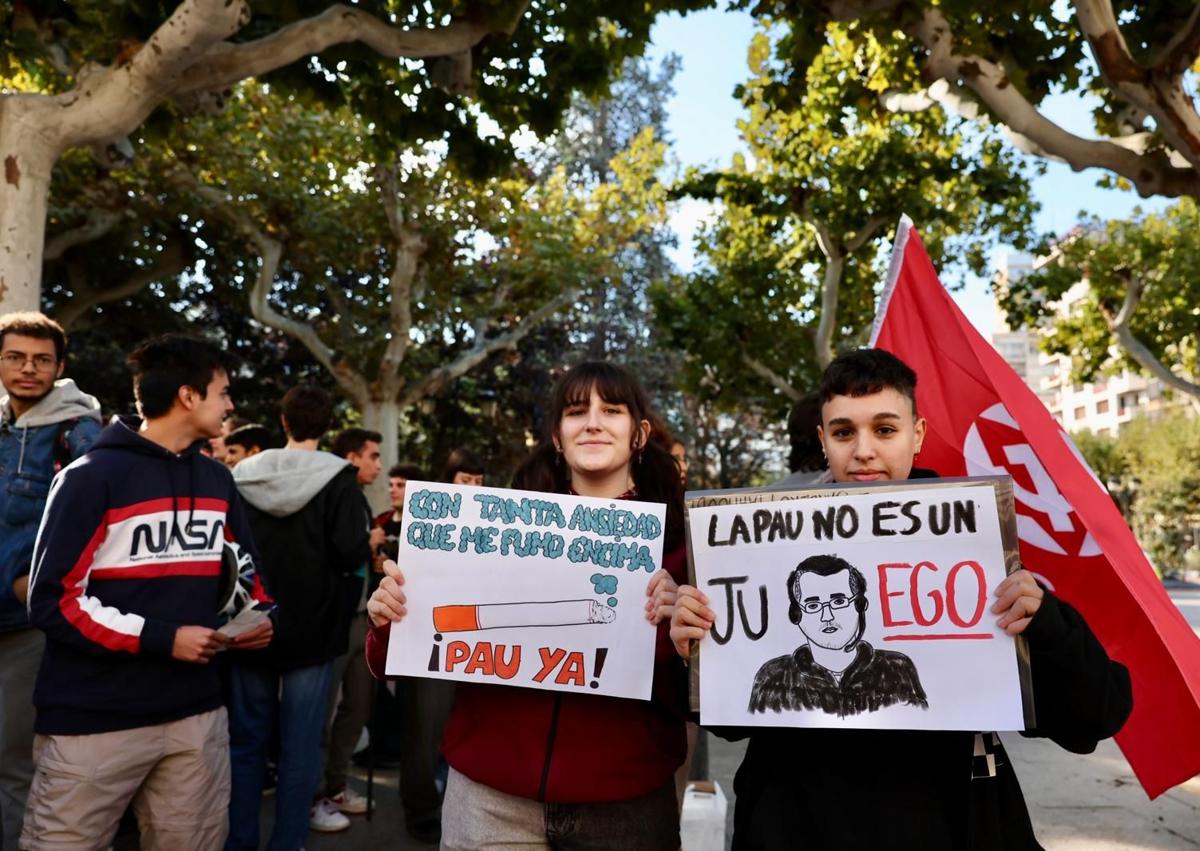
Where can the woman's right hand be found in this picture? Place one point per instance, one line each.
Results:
(691, 620)
(387, 603)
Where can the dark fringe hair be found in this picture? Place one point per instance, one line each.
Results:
(655, 475)
(462, 460)
(864, 372)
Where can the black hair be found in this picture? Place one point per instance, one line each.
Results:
(352, 440)
(462, 460)
(164, 364)
(806, 454)
(655, 473)
(250, 436)
(307, 411)
(866, 371)
(39, 326)
(827, 565)
(406, 471)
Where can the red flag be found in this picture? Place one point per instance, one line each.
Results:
(983, 419)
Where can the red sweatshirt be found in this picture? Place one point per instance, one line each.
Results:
(567, 748)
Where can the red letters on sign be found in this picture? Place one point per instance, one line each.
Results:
(484, 659)
(930, 598)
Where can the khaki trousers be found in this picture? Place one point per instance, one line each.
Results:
(176, 775)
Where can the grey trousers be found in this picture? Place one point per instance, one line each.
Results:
(347, 717)
(426, 706)
(20, 656)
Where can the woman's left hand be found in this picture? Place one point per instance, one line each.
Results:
(661, 593)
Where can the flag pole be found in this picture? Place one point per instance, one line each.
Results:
(898, 246)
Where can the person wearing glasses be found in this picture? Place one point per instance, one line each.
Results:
(835, 671)
(45, 424)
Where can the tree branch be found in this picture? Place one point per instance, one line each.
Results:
(772, 377)
(1158, 91)
(1181, 51)
(1119, 324)
(408, 245)
(99, 222)
(436, 380)
(169, 262)
(831, 282)
(226, 64)
(270, 252)
(108, 103)
(865, 234)
(1151, 173)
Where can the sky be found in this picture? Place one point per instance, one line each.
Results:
(702, 126)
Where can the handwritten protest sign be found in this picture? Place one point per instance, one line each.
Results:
(527, 589)
(859, 606)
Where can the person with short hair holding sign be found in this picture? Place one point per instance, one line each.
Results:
(871, 788)
(540, 769)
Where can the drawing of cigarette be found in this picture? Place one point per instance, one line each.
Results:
(459, 618)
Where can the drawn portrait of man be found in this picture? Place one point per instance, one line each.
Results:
(835, 670)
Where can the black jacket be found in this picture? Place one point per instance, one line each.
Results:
(872, 789)
(310, 521)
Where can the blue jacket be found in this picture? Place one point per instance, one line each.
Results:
(129, 551)
(54, 432)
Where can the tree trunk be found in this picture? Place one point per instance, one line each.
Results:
(26, 160)
(383, 416)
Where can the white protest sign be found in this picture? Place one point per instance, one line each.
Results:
(527, 589)
(866, 608)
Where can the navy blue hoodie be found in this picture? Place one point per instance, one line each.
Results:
(129, 550)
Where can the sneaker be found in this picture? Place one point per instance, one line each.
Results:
(324, 816)
(349, 802)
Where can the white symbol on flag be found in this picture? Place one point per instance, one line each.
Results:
(1044, 499)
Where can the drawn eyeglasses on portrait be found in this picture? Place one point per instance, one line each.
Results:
(812, 607)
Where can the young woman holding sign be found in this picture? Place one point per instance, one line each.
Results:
(548, 769)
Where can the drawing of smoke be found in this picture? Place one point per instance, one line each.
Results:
(466, 618)
(605, 583)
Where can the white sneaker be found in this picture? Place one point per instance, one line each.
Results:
(324, 816)
(349, 802)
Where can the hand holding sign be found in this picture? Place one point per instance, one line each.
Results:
(661, 592)
(387, 603)
(1019, 598)
(691, 620)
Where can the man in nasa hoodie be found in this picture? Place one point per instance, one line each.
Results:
(125, 582)
(310, 521)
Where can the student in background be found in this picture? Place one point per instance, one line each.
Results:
(45, 424)
(245, 442)
(351, 679)
(309, 520)
(463, 467)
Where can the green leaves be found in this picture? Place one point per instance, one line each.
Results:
(1155, 253)
(828, 158)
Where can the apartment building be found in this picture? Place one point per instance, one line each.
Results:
(1101, 407)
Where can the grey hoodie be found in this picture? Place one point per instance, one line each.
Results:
(65, 401)
(280, 482)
